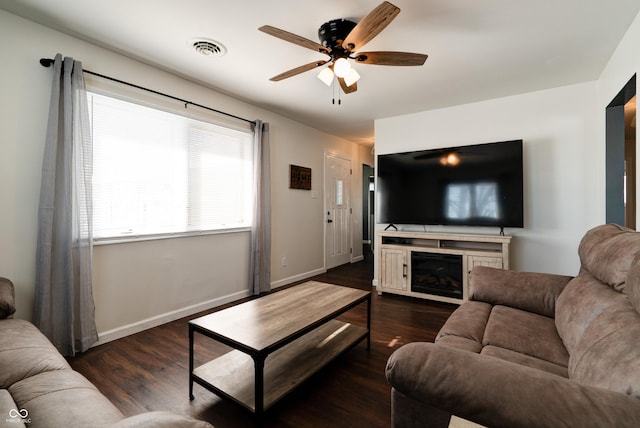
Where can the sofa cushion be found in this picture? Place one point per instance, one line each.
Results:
(505, 333)
(63, 398)
(582, 300)
(608, 356)
(459, 342)
(9, 409)
(524, 360)
(633, 284)
(529, 291)
(465, 326)
(25, 352)
(41, 381)
(525, 332)
(607, 251)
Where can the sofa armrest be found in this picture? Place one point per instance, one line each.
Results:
(498, 393)
(7, 299)
(160, 419)
(529, 291)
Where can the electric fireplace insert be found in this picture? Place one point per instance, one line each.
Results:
(438, 274)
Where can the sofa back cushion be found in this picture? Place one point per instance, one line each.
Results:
(582, 300)
(607, 252)
(633, 284)
(25, 352)
(597, 313)
(606, 255)
(608, 356)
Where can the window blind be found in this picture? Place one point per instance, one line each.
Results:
(157, 172)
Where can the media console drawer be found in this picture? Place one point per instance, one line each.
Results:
(435, 266)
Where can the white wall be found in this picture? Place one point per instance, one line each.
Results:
(563, 163)
(145, 283)
(298, 215)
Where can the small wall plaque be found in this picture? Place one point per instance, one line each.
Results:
(299, 177)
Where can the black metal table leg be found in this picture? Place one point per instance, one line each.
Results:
(258, 361)
(369, 322)
(191, 397)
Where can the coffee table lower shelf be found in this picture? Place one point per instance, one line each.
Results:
(233, 374)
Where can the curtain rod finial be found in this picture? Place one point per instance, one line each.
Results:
(46, 62)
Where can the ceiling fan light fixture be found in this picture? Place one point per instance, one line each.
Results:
(339, 39)
(450, 159)
(351, 77)
(326, 75)
(341, 67)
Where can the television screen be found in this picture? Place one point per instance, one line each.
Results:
(478, 185)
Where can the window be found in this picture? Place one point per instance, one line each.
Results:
(339, 192)
(159, 173)
(475, 200)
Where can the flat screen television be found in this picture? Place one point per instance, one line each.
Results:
(476, 185)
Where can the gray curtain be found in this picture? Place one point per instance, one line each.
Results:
(64, 309)
(260, 263)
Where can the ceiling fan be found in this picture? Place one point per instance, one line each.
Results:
(340, 39)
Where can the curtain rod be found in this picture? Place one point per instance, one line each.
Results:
(47, 62)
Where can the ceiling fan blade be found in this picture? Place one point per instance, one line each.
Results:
(298, 70)
(293, 38)
(370, 26)
(391, 58)
(347, 89)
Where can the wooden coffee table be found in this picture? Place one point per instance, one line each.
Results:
(295, 328)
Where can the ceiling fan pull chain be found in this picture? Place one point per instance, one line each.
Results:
(333, 90)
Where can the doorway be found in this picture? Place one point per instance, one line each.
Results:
(621, 157)
(338, 248)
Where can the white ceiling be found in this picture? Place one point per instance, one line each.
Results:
(478, 49)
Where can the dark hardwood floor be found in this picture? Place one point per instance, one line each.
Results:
(149, 370)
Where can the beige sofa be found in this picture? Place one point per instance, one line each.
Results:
(38, 388)
(534, 349)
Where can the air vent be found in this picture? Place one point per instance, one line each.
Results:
(208, 47)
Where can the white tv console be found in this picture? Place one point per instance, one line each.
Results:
(395, 250)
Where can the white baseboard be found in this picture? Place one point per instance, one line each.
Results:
(357, 259)
(137, 327)
(295, 278)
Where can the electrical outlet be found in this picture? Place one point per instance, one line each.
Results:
(284, 262)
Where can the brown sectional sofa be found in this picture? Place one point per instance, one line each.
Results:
(534, 349)
(38, 388)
